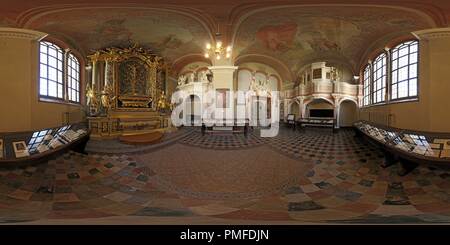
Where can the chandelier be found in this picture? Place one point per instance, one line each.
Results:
(217, 50)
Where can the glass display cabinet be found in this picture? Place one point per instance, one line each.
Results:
(28, 148)
(407, 147)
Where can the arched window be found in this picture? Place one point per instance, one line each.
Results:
(73, 78)
(379, 79)
(51, 83)
(59, 74)
(366, 90)
(404, 70)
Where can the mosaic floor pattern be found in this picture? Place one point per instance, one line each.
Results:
(312, 176)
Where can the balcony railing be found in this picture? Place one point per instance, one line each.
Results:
(324, 87)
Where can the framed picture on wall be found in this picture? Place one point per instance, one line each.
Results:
(20, 149)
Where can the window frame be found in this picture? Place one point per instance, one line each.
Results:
(389, 76)
(70, 78)
(367, 84)
(47, 67)
(391, 83)
(383, 58)
(66, 53)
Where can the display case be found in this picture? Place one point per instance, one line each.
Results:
(381, 134)
(408, 146)
(23, 148)
(317, 122)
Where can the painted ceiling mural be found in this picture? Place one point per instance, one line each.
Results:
(166, 33)
(294, 35)
(299, 34)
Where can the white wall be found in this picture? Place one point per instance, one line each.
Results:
(244, 79)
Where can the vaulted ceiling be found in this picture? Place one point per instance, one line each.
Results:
(283, 34)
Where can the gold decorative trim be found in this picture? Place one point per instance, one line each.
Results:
(112, 58)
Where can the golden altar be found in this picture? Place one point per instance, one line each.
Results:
(125, 92)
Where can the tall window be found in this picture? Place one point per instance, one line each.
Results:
(404, 70)
(402, 83)
(379, 79)
(59, 74)
(51, 82)
(366, 80)
(73, 79)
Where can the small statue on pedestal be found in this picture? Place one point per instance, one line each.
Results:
(162, 103)
(91, 100)
(107, 98)
(182, 80)
(192, 77)
(334, 74)
(209, 76)
(204, 77)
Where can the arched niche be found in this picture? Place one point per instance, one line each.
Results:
(273, 83)
(319, 107)
(294, 108)
(347, 113)
(244, 79)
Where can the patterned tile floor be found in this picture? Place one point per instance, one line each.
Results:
(312, 176)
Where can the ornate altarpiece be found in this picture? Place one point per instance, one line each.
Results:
(126, 86)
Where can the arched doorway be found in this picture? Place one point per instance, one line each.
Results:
(193, 110)
(295, 109)
(319, 108)
(347, 113)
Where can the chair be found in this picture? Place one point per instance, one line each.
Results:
(291, 120)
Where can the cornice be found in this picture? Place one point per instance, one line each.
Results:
(434, 33)
(22, 34)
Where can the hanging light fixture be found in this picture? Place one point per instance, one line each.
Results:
(217, 50)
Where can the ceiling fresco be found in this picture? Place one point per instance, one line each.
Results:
(288, 33)
(166, 33)
(298, 34)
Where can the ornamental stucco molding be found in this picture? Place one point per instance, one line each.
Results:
(215, 68)
(434, 33)
(22, 34)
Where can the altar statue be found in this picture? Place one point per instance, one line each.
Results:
(162, 102)
(107, 97)
(91, 99)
